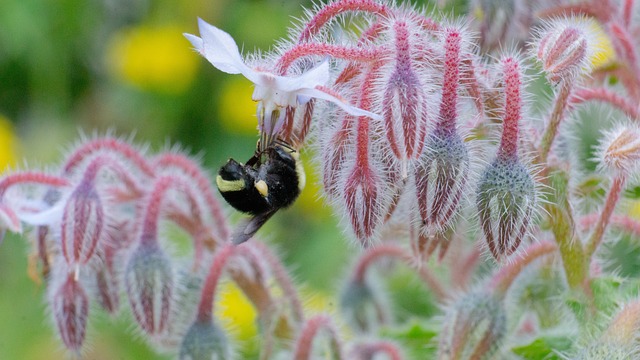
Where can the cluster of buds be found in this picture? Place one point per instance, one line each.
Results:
(99, 235)
(386, 137)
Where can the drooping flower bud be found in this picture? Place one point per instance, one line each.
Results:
(205, 341)
(563, 49)
(70, 306)
(83, 222)
(404, 105)
(474, 327)
(506, 197)
(443, 169)
(363, 306)
(149, 285)
(619, 149)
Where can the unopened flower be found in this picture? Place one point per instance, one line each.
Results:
(205, 341)
(564, 48)
(149, 284)
(273, 92)
(506, 197)
(443, 169)
(619, 150)
(474, 327)
(70, 306)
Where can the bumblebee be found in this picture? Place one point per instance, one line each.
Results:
(270, 180)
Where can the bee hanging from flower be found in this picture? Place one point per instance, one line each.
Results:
(273, 177)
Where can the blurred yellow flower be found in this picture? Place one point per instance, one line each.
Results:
(237, 110)
(603, 54)
(237, 314)
(8, 144)
(153, 58)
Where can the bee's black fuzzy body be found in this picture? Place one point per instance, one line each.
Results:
(270, 180)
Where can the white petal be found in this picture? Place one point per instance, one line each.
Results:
(219, 48)
(350, 109)
(318, 76)
(9, 220)
(52, 215)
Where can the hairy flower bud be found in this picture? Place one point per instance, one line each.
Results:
(506, 197)
(619, 150)
(70, 307)
(404, 104)
(362, 306)
(149, 284)
(83, 222)
(562, 48)
(362, 199)
(474, 327)
(443, 169)
(205, 341)
(506, 201)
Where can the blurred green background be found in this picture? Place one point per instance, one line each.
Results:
(72, 67)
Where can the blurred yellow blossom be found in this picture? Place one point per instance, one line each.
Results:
(8, 144)
(153, 58)
(237, 110)
(603, 54)
(237, 314)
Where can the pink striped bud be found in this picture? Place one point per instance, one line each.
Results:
(506, 193)
(562, 48)
(149, 284)
(404, 104)
(363, 203)
(70, 306)
(83, 221)
(443, 169)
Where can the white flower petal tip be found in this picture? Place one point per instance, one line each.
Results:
(350, 109)
(9, 220)
(218, 48)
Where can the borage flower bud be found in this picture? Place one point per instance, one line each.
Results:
(404, 104)
(149, 284)
(443, 169)
(205, 341)
(475, 325)
(83, 221)
(563, 49)
(619, 151)
(70, 307)
(506, 193)
(363, 306)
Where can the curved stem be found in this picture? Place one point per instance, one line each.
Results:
(205, 308)
(602, 94)
(557, 115)
(111, 144)
(502, 280)
(31, 177)
(605, 215)
(309, 332)
(320, 49)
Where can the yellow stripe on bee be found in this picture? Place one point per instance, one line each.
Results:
(262, 187)
(229, 185)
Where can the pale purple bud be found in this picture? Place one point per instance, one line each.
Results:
(363, 306)
(83, 221)
(474, 327)
(70, 306)
(404, 105)
(205, 341)
(149, 284)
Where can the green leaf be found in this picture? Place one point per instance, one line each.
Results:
(546, 347)
(417, 340)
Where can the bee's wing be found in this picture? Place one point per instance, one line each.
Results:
(247, 228)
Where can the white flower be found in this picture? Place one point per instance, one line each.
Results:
(274, 92)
